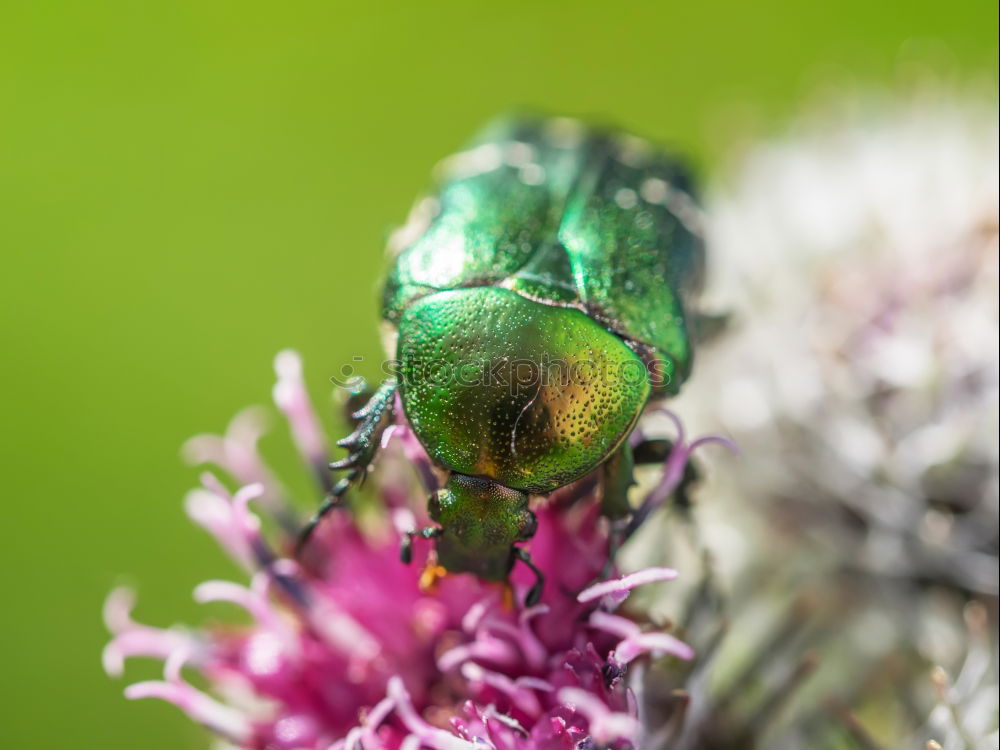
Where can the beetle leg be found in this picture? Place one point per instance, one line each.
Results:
(616, 478)
(648, 452)
(535, 592)
(361, 445)
(652, 451)
(371, 419)
(406, 543)
(656, 451)
(617, 473)
(331, 501)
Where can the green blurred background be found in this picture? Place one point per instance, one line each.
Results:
(189, 187)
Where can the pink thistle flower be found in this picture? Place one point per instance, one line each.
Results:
(344, 650)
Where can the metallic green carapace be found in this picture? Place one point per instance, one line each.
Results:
(529, 395)
(569, 217)
(539, 300)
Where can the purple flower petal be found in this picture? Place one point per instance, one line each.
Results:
(626, 583)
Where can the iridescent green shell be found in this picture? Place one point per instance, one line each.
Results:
(532, 396)
(569, 217)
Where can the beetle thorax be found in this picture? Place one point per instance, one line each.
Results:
(532, 396)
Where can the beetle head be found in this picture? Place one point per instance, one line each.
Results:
(480, 523)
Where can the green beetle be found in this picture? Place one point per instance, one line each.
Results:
(538, 303)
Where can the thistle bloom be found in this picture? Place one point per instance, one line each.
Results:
(346, 651)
